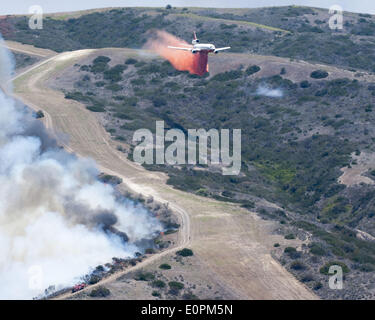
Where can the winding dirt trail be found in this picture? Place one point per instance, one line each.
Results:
(233, 244)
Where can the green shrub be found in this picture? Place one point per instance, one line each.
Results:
(138, 82)
(292, 252)
(156, 294)
(100, 84)
(78, 96)
(307, 277)
(125, 116)
(99, 268)
(100, 64)
(101, 59)
(114, 87)
(129, 101)
(290, 236)
(252, 69)
(321, 93)
(96, 108)
(367, 267)
(85, 68)
(228, 75)
(159, 101)
(317, 285)
(305, 84)
(248, 204)
(176, 285)
(170, 231)
(297, 265)
(100, 292)
(144, 276)
(94, 279)
(165, 266)
(114, 74)
(39, 114)
(319, 74)
(110, 179)
(158, 284)
(189, 296)
(368, 108)
(185, 252)
(139, 64)
(131, 61)
(317, 249)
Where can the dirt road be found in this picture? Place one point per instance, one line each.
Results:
(234, 244)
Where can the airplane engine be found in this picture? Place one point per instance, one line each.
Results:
(194, 51)
(216, 52)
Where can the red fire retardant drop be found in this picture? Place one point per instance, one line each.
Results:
(182, 60)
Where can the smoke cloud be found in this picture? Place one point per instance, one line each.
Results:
(268, 92)
(57, 221)
(181, 60)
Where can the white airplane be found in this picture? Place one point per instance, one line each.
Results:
(200, 47)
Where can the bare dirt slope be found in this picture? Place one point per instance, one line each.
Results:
(355, 174)
(233, 244)
(30, 50)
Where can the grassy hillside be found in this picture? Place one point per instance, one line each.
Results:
(293, 32)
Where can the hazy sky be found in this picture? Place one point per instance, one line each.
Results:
(21, 6)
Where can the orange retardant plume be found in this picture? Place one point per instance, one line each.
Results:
(181, 60)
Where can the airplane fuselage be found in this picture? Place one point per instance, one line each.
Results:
(203, 47)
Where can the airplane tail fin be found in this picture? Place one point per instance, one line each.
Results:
(195, 40)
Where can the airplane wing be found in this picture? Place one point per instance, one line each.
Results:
(222, 49)
(180, 48)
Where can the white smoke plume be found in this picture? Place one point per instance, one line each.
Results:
(54, 213)
(268, 92)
